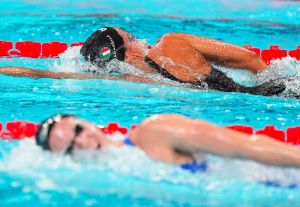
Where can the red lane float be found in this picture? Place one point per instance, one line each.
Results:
(17, 130)
(5, 47)
(295, 53)
(53, 49)
(272, 132)
(274, 52)
(113, 127)
(27, 49)
(241, 128)
(20, 129)
(31, 49)
(293, 135)
(253, 49)
(77, 44)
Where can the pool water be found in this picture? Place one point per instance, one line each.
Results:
(127, 177)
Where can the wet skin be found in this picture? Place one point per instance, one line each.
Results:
(175, 139)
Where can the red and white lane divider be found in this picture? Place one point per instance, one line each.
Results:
(274, 52)
(17, 130)
(31, 49)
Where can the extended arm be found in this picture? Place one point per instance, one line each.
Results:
(34, 73)
(176, 132)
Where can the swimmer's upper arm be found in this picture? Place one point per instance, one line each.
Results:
(179, 58)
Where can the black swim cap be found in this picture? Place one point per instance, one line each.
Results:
(42, 135)
(103, 46)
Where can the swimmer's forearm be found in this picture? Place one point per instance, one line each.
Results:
(247, 60)
(260, 148)
(236, 57)
(270, 151)
(228, 55)
(33, 73)
(178, 133)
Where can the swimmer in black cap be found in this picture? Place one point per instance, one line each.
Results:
(169, 138)
(103, 46)
(179, 57)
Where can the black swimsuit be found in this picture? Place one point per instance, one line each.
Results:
(217, 80)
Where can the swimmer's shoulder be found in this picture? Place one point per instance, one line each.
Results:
(171, 36)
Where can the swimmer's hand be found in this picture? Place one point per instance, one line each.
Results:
(270, 88)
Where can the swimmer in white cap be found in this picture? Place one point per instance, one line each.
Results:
(168, 138)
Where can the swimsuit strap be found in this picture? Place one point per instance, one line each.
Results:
(127, 141)
(202, 167)
(195, 166)
(163, 71)
(274, 183)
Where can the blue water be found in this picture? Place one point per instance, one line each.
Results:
(131, 179)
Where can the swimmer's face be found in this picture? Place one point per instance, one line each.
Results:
(134, 47)
(74, 133)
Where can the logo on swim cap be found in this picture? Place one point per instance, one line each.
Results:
(103, 29)
(105, 53)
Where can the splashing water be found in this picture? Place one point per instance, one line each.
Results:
(128, 175)
(286, 70)
(71, 61)
(28, 159)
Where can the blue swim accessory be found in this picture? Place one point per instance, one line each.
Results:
(128, 141)
(193, 166)
(202, 166)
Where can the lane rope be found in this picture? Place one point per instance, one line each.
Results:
(30, 49)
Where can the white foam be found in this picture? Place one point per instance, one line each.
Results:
(286, 69)
(71, 61)
(28, 159)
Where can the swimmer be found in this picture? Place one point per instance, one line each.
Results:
(183, 58)
(168, 138)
